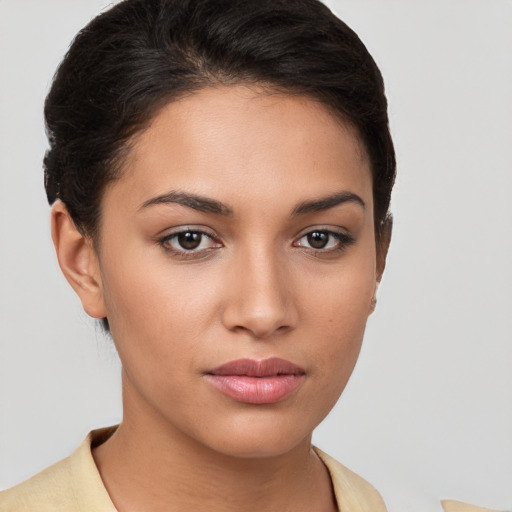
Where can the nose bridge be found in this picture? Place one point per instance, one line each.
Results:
(262, 300)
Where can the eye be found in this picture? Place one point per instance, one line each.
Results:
(188, 241)
(324, 240)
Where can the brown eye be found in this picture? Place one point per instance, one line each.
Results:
(189, 240)
(324, 241)
(317, 239)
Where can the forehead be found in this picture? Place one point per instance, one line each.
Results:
(239, 141)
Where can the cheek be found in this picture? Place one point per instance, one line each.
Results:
(338, 345)
(154, 313)
(340, 298)
(338, 309)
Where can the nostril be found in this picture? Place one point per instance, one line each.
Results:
(257, 325)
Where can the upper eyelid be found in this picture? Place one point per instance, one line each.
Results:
(344, 239)
(170, 232)
(322, 227)
(331, 232)
(171, 235)
(166, 242)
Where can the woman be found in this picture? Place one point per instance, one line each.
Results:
(220, 174)
(219, 212)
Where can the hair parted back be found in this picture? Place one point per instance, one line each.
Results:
(133, 59)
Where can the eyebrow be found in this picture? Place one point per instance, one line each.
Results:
(207, 205)
(325, 203)
(196, 202)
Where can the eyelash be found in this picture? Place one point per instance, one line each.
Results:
(343, 241)
(192, 253)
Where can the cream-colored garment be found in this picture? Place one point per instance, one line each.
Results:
(75, 485)
(458, 506)
(72, 485)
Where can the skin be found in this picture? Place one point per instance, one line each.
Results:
(254, 288)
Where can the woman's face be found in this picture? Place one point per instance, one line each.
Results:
(237, 267)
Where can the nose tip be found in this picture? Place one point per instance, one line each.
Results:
(259, 326)
(261, 303)
(261, 323)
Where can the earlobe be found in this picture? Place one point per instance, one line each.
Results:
(78, 261)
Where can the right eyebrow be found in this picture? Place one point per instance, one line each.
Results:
(196, 202)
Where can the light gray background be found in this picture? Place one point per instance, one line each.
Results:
(427, 414)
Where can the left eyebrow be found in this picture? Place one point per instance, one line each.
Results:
(325, 203)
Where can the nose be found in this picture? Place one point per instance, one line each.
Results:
(261, 301)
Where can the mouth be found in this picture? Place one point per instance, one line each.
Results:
(257, 382)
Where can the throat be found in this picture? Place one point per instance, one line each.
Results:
(150, 479)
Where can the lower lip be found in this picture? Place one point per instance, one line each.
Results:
(256, 390)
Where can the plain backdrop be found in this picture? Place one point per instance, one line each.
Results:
(427, 414)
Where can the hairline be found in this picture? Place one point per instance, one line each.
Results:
(118, 165)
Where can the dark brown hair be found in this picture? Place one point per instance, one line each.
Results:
(141, 54)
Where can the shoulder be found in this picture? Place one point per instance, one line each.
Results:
(457, 506)
(71, 485)
(353, 493)
(49, 490)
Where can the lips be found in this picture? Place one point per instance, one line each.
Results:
(257, 382)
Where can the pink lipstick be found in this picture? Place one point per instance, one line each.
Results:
(257, 382)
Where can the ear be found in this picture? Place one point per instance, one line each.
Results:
(78, 261)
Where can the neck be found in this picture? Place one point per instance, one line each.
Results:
(152, 467)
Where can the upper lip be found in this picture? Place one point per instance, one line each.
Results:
(271, 367)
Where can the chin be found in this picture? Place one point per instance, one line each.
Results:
(259, 436)
(259, 448)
